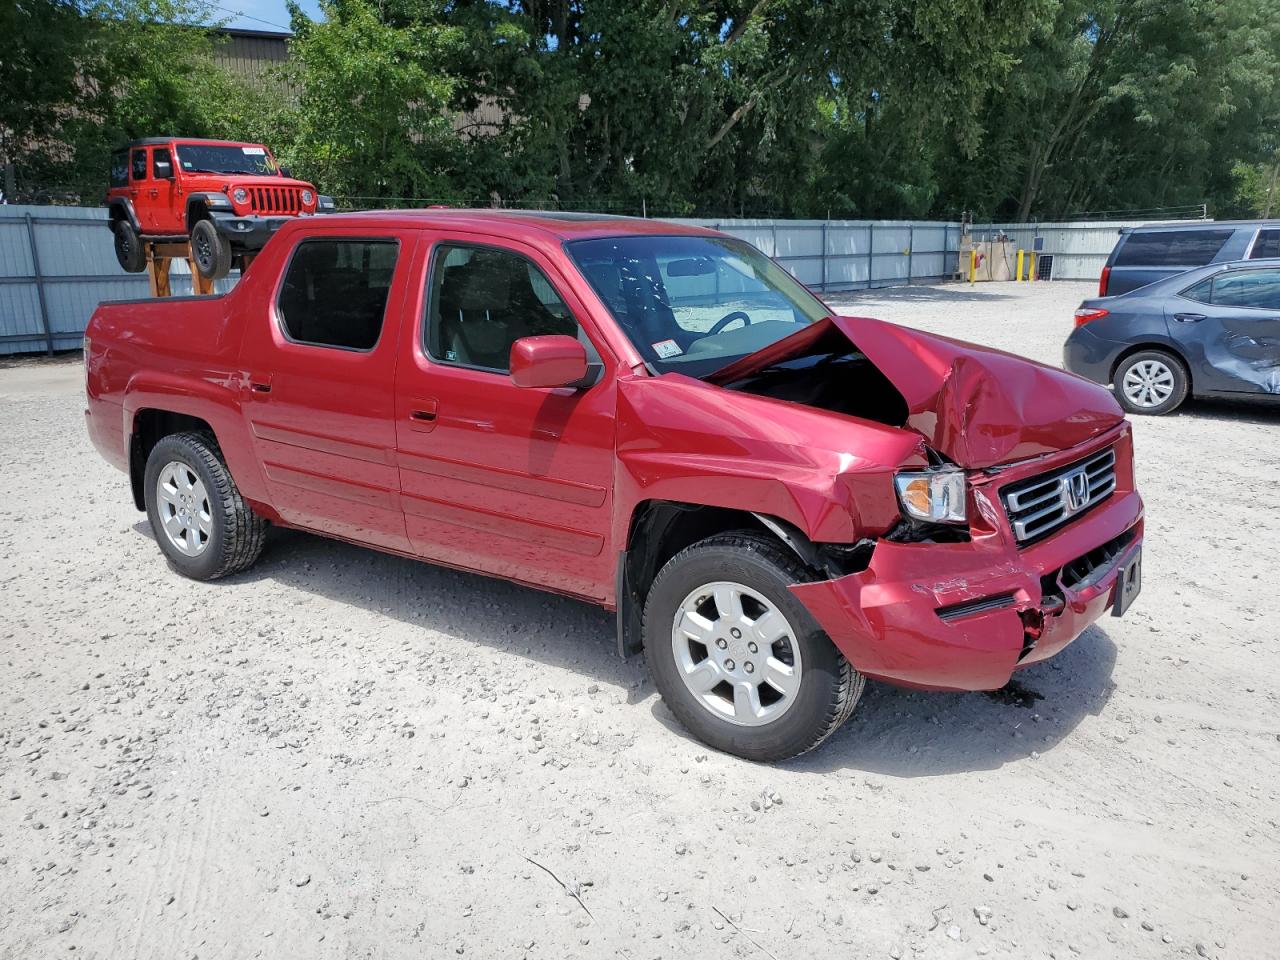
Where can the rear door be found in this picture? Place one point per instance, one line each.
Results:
(512, 481)
(1229, 326)
(139, 189)
(319, 367)
(1144, 256)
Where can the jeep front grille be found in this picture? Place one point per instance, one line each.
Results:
(1039, 505)
(276, 200)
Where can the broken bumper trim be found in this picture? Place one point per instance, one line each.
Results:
(964, 616)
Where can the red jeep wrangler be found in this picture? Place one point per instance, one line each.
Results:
(227, 198)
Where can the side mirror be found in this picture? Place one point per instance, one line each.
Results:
(551, 361)
(284, 172)
(164, 171)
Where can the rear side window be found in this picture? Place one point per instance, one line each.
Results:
(1266, 245)
(335, 292)
(120, 168)
(138, 165)
(1259, 289)
(1171, 248)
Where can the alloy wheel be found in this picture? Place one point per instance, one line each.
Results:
(736, 653)
(183, 505)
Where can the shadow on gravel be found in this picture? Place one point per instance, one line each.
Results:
(1264, 412)
(906, 733)
(946, 293)
(950, 732)
(501, 615)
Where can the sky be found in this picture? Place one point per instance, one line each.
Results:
(268, 15)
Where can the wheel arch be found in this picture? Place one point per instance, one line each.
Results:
(120, 208)
(150, 426)
(1163, 346)
(659, 529)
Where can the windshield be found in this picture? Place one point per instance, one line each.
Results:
(694, 304)
(226, 158)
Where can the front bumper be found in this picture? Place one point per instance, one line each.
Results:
(248, 232)
(964, 616)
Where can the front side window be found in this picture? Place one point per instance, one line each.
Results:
(694, 304)
(226, 158)
(1171, 248)
(335, 292)
(483, 300)
(1259, 289)
(161, 163)
(138, 165)
(1266, 245)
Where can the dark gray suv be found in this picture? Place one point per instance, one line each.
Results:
(1212, 331)
(1149, 253)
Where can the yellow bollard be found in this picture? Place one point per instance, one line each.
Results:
(973, 264)
(1031, 274)
(1021, 253)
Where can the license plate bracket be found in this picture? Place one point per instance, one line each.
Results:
(1128, 585)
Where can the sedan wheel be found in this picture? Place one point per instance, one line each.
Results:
(1151, 382)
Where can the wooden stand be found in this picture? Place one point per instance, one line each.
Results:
(161, 255)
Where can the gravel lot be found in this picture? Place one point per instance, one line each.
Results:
(346, 754)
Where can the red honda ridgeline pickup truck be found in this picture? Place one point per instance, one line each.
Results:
(778, 502)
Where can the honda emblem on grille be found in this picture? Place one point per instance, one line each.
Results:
(1075, 491)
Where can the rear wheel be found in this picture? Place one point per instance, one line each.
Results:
(1151, 382)
(199, 519)
(211, 253)
(737, 658)
(128, 245)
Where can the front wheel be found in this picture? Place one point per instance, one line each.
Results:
(737, 658)
(211, 253)
(201, 522)
(1151, 382)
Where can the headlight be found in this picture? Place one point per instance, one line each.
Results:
(936, 496)
(307, 197)
(240, 195)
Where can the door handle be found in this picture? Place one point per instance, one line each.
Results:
(257, 382)
(1188, 317)
(260, 387)
(422, 414)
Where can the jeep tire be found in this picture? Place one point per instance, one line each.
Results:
(128, 245)
(737, 658)
(209, 251)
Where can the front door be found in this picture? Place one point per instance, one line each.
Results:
(512, 481)
(319, 366)
(1229, 327)
(163, 194)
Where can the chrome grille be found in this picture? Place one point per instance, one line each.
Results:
(1039, 505)
(286, 200)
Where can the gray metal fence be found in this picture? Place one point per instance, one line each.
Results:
(57, 263)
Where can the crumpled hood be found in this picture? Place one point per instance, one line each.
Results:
(978, 406)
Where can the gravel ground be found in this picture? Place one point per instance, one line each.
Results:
(346, 754)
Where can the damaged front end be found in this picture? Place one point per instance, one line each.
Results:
(963, 615)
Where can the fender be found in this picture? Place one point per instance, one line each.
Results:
(208, 200)
(124, 205)
(216, 401)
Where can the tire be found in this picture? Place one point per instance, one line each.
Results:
(210, 252)
(1151, 382)
(211, 531)
(128, 246)
(828, 687)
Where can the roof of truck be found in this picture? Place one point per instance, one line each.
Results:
(565, 225)
(165, 141)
